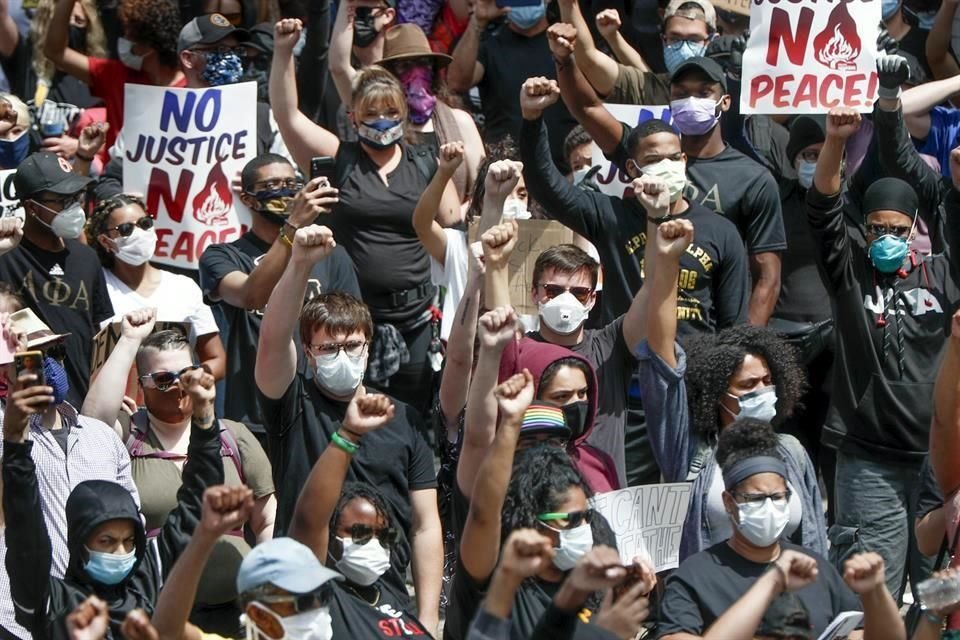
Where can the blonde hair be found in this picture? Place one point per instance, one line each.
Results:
(96, 43)
(23, 111)
(376, 85)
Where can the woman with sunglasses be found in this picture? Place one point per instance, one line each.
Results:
(692, 393)
(122, 233)
(351, 529)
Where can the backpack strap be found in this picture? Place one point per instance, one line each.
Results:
(229, 448)
(424, 159)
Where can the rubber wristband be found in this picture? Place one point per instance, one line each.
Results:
(342, 443)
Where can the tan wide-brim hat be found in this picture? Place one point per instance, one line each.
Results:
(38, 333)
(406, 41)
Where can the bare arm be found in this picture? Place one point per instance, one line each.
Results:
(341, 46)
(945, 431)
(740, 621)
(608, 23)
(919, 100)
(939, 57)
(9, 34)
(264, 517)
(212, 355)
(458, 365)
(765, 273)
(600, 68)
(473, 150)
(930, 531)
(426, 537)
(464, 71)
(428, 230)
(56, 46)
(304, 138)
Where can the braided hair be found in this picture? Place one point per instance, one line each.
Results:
(98, 222)
(359, 490)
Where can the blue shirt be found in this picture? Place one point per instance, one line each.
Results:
(944, 128)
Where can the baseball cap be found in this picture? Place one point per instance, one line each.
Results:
(45, 171)
(284, 563)
(545, 417)
(261, 37)
(711, 68)
(786, 616)
(709, 13)
(207, 29)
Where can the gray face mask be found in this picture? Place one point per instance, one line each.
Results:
(342, 374)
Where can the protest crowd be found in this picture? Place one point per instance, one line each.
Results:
(480, 319)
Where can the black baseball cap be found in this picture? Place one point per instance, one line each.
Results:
(45, 171)
(710, 67)
(261, 37)
(786, 616)
(207, 29)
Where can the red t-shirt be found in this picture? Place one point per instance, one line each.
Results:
(107, 78)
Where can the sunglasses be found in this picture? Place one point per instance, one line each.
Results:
(568, 520)
(362, 534)
(580, 293)
(125, 229)
(881, 230)
(163, 380)
(778, 498)
(301, 602)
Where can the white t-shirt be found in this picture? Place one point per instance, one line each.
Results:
(452, 275)
(177, 299)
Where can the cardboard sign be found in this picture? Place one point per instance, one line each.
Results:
(808, 56)
(648, 521)
(182, 149)
(740, 7)
(9, 203)
(612, 180)
(107, 338)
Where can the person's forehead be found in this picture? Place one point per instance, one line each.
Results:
(888, 218)
(663, 143)
(683, 25)
(695, 80)
(275, 170)
(130, 211)
(574, 279)
(322, 336)
(167, 360)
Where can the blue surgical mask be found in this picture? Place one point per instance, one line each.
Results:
(805, 171)
(678, 52)
(222, 68)
(527, 17)
(888, 8)
(110, 568)
(887, 253)
(57, 379)
(925, 19)
(13, 152)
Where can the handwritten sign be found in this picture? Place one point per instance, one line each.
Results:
(648, 521)
(612, 180)
(182, 148)
(107, 338)
(808, 56)
(9, 202)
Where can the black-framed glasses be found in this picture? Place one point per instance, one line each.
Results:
(163, 380)
(363, 533)
(566, 520)
(275, 184)
(354, 348)
(894, 230)
(777, 497)
(301, 602)
(690, 39)
(580, 293)
(125, 229)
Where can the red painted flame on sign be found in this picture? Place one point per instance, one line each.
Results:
(212, 204)
(838, 45)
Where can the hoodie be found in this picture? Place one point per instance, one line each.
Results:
(42, 602)
(597, 467)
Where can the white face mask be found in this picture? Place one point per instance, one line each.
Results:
(515, 209)
(136, 248)
(574, 544)
(762, 522)
(673, 172)
(127, 56)
(363, 564)
(563, 314)
(68, 223)
(342, 374)
(315, 624)
(760, 404)
(580, 174)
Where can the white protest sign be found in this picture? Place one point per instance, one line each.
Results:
(182, 149)
(9, 202)
(808, 56)
(612, 180)
(648, 521)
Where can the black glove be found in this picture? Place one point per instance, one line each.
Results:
(892, 71)
(886, 43)
(735, 69)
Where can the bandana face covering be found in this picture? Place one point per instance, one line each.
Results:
(380, 134)
(275, 204)
(418, 86)
(222, 68)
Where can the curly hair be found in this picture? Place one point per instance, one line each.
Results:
(713, 359)
(155, 23)
(746, 438)
(542, 475)
(97, 223)
(504, 149)
(354, 490)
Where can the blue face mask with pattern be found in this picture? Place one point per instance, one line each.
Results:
(56, 378)
(222, 68)
(675, 54)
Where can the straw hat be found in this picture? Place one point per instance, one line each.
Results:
(38, 333)
(406, 41)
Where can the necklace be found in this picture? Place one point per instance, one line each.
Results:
(376, 598)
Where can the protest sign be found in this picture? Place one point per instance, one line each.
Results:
(181, 150)
(612, 180)
(9, 203)
(648, 521)
(808, 56)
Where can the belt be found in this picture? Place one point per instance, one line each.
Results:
(401, 298)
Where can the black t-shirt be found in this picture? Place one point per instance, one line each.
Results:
(391, 617)
(732, 184)
(374, 223)
(508, 59)
(67, 291)
(240, 328)
(710, 582)
(803, 298)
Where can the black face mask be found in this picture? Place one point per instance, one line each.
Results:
(258, 71)
(77, 38)
(364, 30)
(575, 415)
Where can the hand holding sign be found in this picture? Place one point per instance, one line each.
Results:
(562, 37)
(315, 199)
(498, 243)
(11, 232)
(514, 395)
(286, 35)
(864, 572)
(537, 94)
(673, 237)
(608, 23)
(451, 157)
(842, 123)
(312, 244)
(653, 195)
(525, 553)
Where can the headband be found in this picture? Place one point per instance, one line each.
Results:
(743, 469)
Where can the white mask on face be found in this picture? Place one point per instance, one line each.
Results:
(673, 172)
(68, 223)
(563, 314)
(136, 248)
(515, 208)
(580, 174)
(342, 374)
(574, 544)
(363, 564)
(127, 56)
(759, 405)
(315, 624)
(761, 523)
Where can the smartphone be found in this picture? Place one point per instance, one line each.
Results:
(30, 362)
(323, 167)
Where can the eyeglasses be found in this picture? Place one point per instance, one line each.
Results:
(568, 520)
(163, 380)
(691, 40)
(362, 534)
(881, 230)
(125, 229)
(354, 348)
(275, 184)
(778, 498)
(580, 293)
(301, 602)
